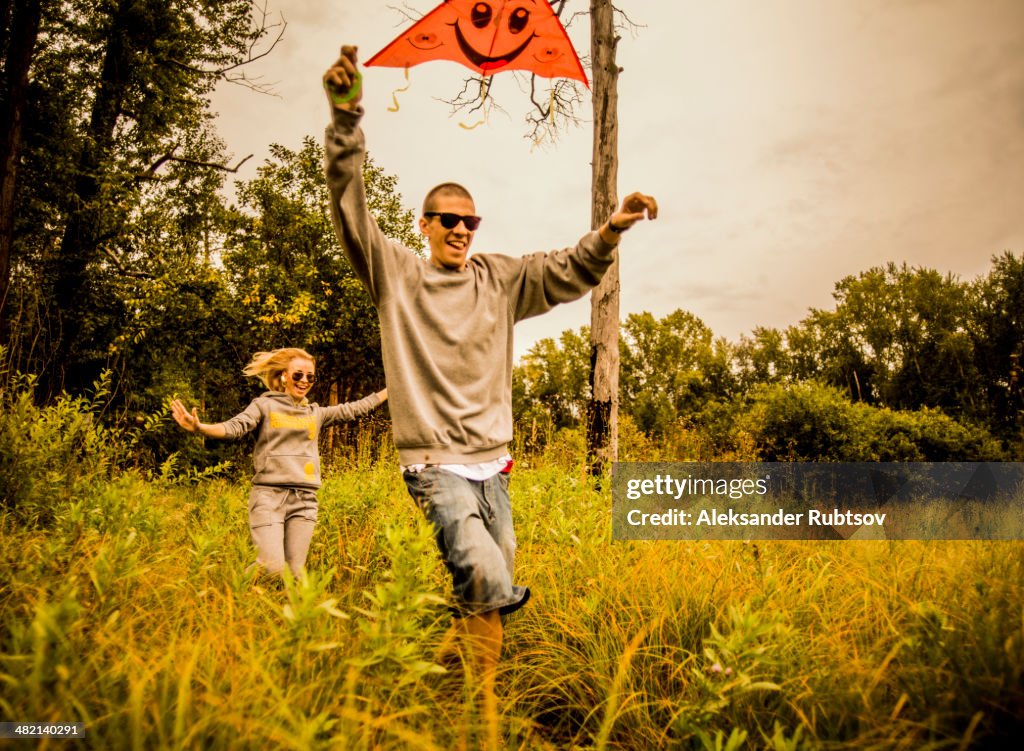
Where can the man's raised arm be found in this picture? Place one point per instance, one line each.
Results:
(364, 244)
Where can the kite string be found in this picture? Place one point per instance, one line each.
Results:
(485, 104)
(396, 92)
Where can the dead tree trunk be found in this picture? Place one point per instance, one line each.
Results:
(603, 408)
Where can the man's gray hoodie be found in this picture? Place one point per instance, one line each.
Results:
(286, 451)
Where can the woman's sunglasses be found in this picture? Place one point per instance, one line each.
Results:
(298, 377)
(451, 221)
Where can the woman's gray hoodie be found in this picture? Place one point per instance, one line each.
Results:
(286, 452)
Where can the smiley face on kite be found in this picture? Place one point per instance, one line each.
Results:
(488, 37)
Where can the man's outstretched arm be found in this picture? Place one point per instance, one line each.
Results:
(543, 280)
(366, 247)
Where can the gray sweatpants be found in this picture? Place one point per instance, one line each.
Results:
(281, 522)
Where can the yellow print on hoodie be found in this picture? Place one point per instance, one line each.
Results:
(294, 422)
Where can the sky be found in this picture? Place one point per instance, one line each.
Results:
(789, 143)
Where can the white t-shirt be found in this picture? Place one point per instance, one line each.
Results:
(478, 472)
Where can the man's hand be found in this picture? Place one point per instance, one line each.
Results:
(633, 209)
(343, 81)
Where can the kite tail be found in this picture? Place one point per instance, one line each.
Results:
(485, 105)
(396, 92)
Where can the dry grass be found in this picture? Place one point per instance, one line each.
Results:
(133, 613)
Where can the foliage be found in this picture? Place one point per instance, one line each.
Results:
(133, 613)
(815, 422)
(293, 284)
(997, 335)
(898, 338)
(774, 396)
(671, 368)
(550, 382)
(51, 455)
(118, 90)
(907, 339)
(401, 608)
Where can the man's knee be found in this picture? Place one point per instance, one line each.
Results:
(485, 578)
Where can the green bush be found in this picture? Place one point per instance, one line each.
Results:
(814, 422)
(924, 435)
(804, 422)
(50, 454)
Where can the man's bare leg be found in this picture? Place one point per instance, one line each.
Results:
(448, 648)
(483, 633)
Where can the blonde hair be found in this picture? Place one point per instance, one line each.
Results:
(269, 367)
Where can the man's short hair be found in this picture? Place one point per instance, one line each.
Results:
(444, 189)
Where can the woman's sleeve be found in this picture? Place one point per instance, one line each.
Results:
(244, 422)
(349, 410)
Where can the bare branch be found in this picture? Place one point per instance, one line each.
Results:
(476, 95)
(253, 83)
(252, 55)
(212, 165)
(119, 265)
(150, 172)
(547, 119)
(574, 16)
(627, 23)
(410, 14)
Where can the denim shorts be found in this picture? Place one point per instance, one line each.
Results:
(473, 527)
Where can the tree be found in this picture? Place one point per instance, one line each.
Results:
(763, 357)
(295, 288)
(20, 25)
(550, 382)
(997, 332)
(671, 369)
(898, 337)
(603, 408)
(115, 87)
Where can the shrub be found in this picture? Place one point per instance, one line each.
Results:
(804, 422)
(50, 454)
(814, 422)
(925, 435)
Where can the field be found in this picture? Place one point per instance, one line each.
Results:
(132, 612)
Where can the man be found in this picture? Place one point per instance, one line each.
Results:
(446, 335)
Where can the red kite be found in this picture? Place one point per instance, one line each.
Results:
(488, 37)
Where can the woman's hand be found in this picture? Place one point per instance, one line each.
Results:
(188, 420)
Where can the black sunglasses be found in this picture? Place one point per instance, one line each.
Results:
(451, 221)
(298, 375)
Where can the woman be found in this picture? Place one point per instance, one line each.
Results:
(282, 504)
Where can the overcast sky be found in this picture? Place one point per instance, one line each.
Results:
(789, 143)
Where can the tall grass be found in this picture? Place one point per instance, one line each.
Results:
(133, 613)
(125, 603)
